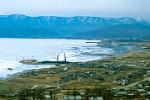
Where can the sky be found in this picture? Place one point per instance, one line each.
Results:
(101, 8)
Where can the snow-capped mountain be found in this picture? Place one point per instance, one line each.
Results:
(18, 25)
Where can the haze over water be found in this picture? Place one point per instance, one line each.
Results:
(14, 50)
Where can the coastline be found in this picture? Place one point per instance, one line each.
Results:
(106, 74)
(116, 53)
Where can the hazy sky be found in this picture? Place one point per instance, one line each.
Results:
(102, 8)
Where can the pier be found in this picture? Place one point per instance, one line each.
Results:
(36, 62)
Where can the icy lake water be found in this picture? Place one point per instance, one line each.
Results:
(14, 50)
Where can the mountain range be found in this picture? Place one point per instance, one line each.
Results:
(79, 27)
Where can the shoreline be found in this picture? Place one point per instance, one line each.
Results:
(114, 53)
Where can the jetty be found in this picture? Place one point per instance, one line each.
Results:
(36, 62)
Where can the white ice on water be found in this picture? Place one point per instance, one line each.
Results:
(13, 50)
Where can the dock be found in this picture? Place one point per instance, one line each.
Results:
(46, 62)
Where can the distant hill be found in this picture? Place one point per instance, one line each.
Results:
(117, 31)
(21, 26)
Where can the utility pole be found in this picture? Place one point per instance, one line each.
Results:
(58, 57)
(65, 57)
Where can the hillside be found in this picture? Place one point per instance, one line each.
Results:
(118, 31)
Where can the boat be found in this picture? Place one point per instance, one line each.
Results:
(9, 68)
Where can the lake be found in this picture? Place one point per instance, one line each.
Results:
(14, 50)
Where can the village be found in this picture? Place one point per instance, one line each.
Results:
(124, 77)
